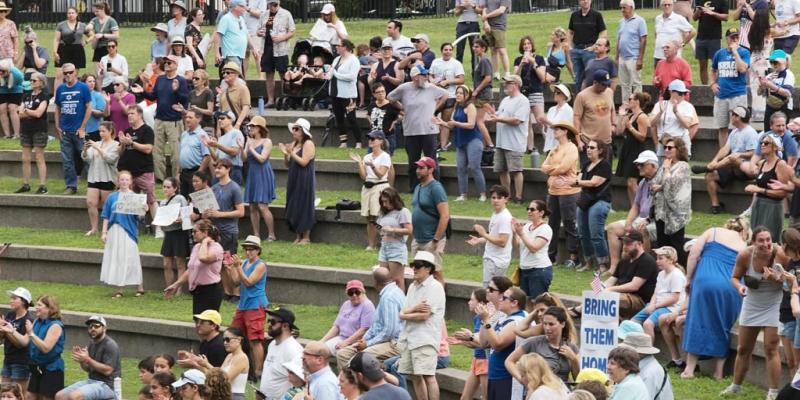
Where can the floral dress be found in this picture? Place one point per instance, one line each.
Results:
(674, 202)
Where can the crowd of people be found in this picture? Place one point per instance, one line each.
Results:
(115, 126)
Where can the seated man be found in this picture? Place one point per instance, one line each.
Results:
(638, 218)
(725, 167)
(101, 360)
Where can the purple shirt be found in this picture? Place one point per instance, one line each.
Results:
(118, 115)
(643, 198)
(351, 318)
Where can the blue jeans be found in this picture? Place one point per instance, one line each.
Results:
(535, 281)
(71, 147)
(91, 390)
(391, 367)
(468, 161)
(580, 59)
(591, 230)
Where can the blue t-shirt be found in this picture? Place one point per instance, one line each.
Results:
(234, 35)
(497, 358)
(478, 352)
(17, 86)
(732, 83)
(255, 296)
(128, 222)
(73, 102)
(159, 49)
(425, 217)
(628, 35)
(789, 145)
(98, 103)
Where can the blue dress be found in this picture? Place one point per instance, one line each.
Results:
(260, 185)
(714, 304)
(300, 196)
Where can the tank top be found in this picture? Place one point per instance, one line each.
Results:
(380, 71)
(497, 358)
(253, 297)
(239, 384)
(464, 136)
(635, 123)
(558, 54)
(763, 178)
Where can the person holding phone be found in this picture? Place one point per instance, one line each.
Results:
(203, 269)
(111, 66)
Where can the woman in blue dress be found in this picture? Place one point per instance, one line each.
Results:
(301, 181)
(714, 304)
(260, 186)
(121, 263)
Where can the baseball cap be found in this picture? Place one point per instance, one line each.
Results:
(368, 365)
(226, 114)
(418, 70)
(511, 78)
(427, 257)
(355, 284)
(285, 315)
(732, 32)
(387, 43)
(96, 318)
(376, 134)
(235, 3)
(173, 58)
(420, 36)
(741, 111)
(778, 55)
(677, 86)
(633, 236)
(628, 327)
(647, 156)
(426, 162)
(210, 315)
(602, 76)
(193, 376)
(328, 8)
(22, 293)
(667, 251)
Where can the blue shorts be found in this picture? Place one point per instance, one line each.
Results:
(789, 330)
(642, 315)
(91, 390)
(393, 251)
(16, 371)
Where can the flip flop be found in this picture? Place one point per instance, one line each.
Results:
(139, 293)
(117, 295)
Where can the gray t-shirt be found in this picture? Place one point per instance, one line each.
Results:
(483, 69)
(558, 363)
(597, 64)
(513, 137)
(386, 391)
(394, 219)
(105, 352)
(68, 35)
(500, 22)
(228, 197)
(229, 139)
(419, 105)
(468, 14)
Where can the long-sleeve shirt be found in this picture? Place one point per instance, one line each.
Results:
(346, 72)
(561, 165)
(166, 97)
(102, 167)
(387, 324)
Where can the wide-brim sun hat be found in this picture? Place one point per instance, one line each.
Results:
(566, 125)
(303, 124)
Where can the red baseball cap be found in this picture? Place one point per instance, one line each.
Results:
(426, 162)
(355, 284)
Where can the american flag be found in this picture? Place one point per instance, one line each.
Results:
(597, 284)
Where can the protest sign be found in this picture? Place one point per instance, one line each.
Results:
(599, 323)
(204, 200)
(131, 203)
(167, 215)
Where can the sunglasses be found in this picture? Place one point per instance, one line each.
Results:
(195, 79)
(29, 42)
(95, 326)
(68, 72)
(117, 84)
(111, 46)
(491, 289)
(766, 143)
(417, 266)
(505, 298)
(373, 138)
(3, 11)
(591, 147)
(354, 293)
(669, 147)
(167, 62)
(273, 321)
(532, 209)
(295, 128)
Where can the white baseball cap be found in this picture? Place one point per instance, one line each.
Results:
(22, 293)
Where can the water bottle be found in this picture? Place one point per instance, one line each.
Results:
(118, 388)
(535, 158)
(260, 105)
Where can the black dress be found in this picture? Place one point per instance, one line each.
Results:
(300, 195)
(631, 148)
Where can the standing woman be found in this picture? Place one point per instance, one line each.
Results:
(328, 31)
(762, 294)
(33, 116)
(535, 267)
(672, 186)
(469, 143)
(561, 165)
(301, 181)
(768, 206)
(11, 80)
(374, 170)
(101, 158)
(8, 34)
(118, 103)
(16, 360)
(121, 263)
(343, 77)
(176, 26)
(482, 93)
(251, 275)
(634, 124)
(98, 107)
(201, 98)
(203, 270)
(185, 63)
(559, 49)
(34, 56)
(531, 67)
(45, 339)
(193, 37)
(384, 115)
(594, 204)
(395, 227)
(112, 65)
(260, 190)
(175, 246)
(101, 29)
(760, 41)
(561, 111)
(68, 44)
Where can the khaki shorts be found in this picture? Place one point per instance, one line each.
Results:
(723, 108)
(419, 361)
(258, 45)
(436, 248)
(371, 200)
(497, 39)
(507, 161)
(629, 305)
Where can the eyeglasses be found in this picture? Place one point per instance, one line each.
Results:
(591, 147)
(505, 298)
(354, 293)
(195, 79)
(273, 321)
(95, 325)
(669, 147)
(532, 209)
(766, 143)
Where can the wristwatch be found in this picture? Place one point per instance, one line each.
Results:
(487, 325)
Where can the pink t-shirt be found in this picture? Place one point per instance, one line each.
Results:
(8, 35)
(669, 71)
(351, 318)
(118, 116)
(201, 273)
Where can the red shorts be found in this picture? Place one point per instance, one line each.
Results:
(251, 322)
(145, 183)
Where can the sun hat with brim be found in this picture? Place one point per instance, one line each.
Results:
(258, 121)
(641, 342)
(22, 293)
(425, 256)
(177, 39)
(563, 89)
(295, 367)
(232, 66)
(566, 125)
(303, 124)
(4, 7)
(627, 327)
(193, 376)
(160, 27)
(252, 241)
(121, 80)
(179, 3)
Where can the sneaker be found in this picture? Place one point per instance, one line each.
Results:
(41, 190)
(731, 390)
(461, 198)
(369, 248)
(482, 198)
(497, 76)
(717, 209)
(70, 191)
(700, 169)
(678, 365)
(447, 146)
(570, 264)
(24, 189)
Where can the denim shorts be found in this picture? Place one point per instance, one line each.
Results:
(91, 390)
(789, 329)
(393, 251)
(642, 315)
(16, 371)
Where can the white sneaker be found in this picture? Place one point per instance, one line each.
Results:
(772, 396)
(461, 198)
(731, 390)
(497, 76)
(482, 198)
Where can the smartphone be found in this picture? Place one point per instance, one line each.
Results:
(108, 65)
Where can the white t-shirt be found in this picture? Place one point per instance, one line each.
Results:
(119, 63)
(555, 115)
(274, 376)
(185, 64)
(383, 160)
(447, 70)
(671, 28)
(787, 9)
(666, 284)
(499, 224)
(539, 259)
(513, 137)
(669, 124)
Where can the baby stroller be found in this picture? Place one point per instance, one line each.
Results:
(305, 92)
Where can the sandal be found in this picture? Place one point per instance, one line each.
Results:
(139, 293)
(117, 295)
